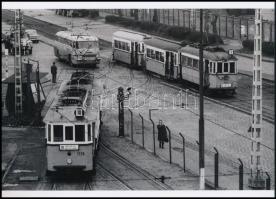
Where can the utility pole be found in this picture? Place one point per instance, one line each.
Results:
(121, 98)
(256, 180)
(18, 63)
(201, 116)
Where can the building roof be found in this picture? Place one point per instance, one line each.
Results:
(76, 37)
(132, 36)
(162, 44)
(10, 79)
(214, 56)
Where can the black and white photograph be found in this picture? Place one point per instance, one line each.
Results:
(138, 99)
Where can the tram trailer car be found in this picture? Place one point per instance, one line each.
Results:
(72, 128)
(219, 68)
(161, 58)
(128, 47)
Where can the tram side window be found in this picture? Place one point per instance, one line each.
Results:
(148, 52)
(58, 133)
(232, 67)
(183, 61)
(219, 67)
(152, 54)
(195, 63)
(49, 133)
(89, 132)
(161, 57)
(79, 133)
(189, 62)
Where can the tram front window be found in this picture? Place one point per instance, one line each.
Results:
(87, 44)
(69, 133)
(79, 133)
(58, 133)
(232, 67)
(219, 67)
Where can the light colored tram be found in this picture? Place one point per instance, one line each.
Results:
(128, 47)
(77, 49)
(162, 57)
(72, 127)
(220, 68)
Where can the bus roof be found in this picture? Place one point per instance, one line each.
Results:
(213, 56)
(162, 44)
(76, 37)
(128, 35)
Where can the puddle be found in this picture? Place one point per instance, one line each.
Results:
(22, 171)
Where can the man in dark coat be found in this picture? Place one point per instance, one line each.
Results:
(54, 72)
(162, 134)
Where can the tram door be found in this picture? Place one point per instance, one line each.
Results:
(169, 65)
(134, 54)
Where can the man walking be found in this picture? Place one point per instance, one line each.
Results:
(162, 134)
(54, 72)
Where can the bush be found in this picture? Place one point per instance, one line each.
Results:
(267, 47)
(175, 32)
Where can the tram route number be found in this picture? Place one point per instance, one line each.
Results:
(225, 85)
(68, 147)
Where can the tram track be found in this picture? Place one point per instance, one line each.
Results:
(142, 177)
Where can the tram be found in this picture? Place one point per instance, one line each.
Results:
(72, 127)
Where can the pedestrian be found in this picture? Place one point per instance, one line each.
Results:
(162, 134)
(54, 72)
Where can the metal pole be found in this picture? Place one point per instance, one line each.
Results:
(183, 139)
(38, 84)
(170, 146)
(240, 175)
(216, 168)
(143, 138)
(267, 181)
(131, 116)
(120, 99)
(153, 132)
(201, 116)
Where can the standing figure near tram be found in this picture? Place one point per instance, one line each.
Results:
(54, 72)
(162, 134)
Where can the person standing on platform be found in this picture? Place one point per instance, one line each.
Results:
(54, 72)
(162, 134)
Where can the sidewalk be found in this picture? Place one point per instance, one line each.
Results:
(104, 31)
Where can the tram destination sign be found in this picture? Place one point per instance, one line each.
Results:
(69, 147)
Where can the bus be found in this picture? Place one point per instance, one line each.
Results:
(77, 49)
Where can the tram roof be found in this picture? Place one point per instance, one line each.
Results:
(132, 36)
(162, 44)
(76, 37)
(213, 56)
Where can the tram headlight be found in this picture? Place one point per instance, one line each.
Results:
(69, 161)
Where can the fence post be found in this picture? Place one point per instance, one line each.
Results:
(226, 22)
(219, 24)
(143, 141)
(216, 168)
(247, 28)
(233, 27)
(240, 28)
(240, 175)
(267, 181)
(170, 146)
(131, 117)
(153, 132)
(183, 139)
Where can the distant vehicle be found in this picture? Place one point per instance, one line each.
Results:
(32, 34)
(72, 128)
(128, 47)
(26, 46)
(77, 49)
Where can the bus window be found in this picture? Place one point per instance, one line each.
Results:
(58, 133)
(89, 132)
(79, 133)
(232, 67)
(219, 67)
(49, 133)
(68, 132)
(225, 67)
